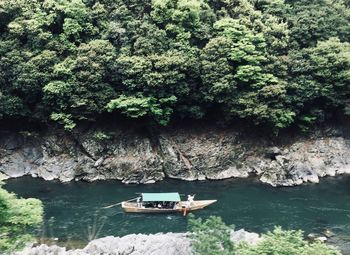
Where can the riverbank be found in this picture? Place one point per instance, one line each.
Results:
(192, 153)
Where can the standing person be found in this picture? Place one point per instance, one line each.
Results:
(138, 201)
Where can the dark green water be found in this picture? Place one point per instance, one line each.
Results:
(256, 207)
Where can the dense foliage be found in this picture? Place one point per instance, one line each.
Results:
(270, 62)
(212, 237)
(16, 217)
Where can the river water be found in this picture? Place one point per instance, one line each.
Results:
(73, 213)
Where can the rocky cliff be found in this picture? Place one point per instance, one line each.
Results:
(196, 153)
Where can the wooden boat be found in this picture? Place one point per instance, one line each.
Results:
(142, 206)
(179, 207)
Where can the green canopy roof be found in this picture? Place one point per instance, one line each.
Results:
(166, 197)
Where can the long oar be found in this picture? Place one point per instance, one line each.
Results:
(110, 206)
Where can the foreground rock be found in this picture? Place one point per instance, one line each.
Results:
(245, 236)
(187, 154)
(157, 244)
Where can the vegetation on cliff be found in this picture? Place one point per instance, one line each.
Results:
(17, 216)
(269, 62)
(212, 237)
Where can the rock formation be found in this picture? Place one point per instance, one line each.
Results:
(186, 154)
(136, 244)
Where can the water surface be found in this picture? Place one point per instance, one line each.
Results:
(73, 210)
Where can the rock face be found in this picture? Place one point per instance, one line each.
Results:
(187, 154)
(157, 244)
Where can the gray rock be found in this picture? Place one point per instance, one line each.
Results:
(11, 141)
(185, 154)
(317, 237)
(228, 173)
(245, 236)
(44, 250)
(99, 162)
(15, 164)
(272, 152)
(158, 244)
(135, 244)
(302, 171)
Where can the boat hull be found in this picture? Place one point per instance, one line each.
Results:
(180, 207)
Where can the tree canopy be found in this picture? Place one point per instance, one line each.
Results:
(274, 63)
(17, 216)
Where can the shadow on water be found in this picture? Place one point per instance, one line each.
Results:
(76, 207)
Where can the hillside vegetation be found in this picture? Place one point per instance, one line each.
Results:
(273, 63)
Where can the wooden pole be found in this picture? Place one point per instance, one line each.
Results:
(110, 206)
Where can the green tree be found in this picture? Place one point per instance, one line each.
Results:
(320, 78)
(17, 216)
(317, 20)
(233, 70)
(210, 237)
(137, 107)
(80, 87)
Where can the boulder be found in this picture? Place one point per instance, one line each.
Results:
(45, 250)
(245, 236)
(228, 173)
(138, 244)
(302, 171)
(134, 244)
(272, 152)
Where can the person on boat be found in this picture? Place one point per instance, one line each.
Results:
(138, 201)
(190, 201)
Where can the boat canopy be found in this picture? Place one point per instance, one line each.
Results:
(157, 197)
